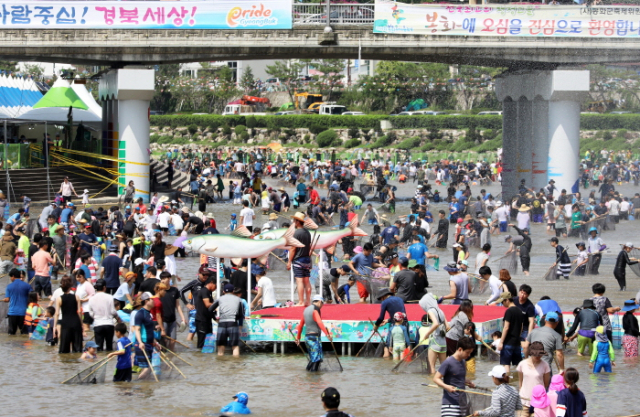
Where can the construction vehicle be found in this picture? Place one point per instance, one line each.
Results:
(247, 105)
(303, 101)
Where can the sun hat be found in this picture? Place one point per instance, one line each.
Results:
(90, 344)
(588, 303)
(630, 305)
(384, 292)
(498, 371)
(536, 349)
(317, 297)
(358, 249)
(539, 398)
(557, 383)
(273, 216)
(298, 216)
(524, 207)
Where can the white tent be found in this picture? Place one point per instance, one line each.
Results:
(85, 95)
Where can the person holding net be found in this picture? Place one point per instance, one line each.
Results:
(451, 377)
(144, 327)
(311, 318)
(390, 304)
(505, 400)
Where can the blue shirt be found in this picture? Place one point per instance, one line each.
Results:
(145, 321)
(111, 265)
(546, 306)
(14, 219)
(418, 252)
(235, 408)
(391, 305)
(18, 294)
(361, 261)
(124, 360)
(66, 213)
(388, 234)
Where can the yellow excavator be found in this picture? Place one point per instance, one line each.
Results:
(303, 101)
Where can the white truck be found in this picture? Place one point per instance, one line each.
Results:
(331, 109)
(241, 110)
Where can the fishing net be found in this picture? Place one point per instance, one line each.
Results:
(472, 401)
(478, 285)
(417, 364)
(551, 274)
(609, 224)
(372, 285)
(635, 253)
(163, 366)
(95, 374)
(509, 262)
(366, 189)
(492, 355)
(372, 350)
(330, 363)
(276, 263)
(384, 208)
(4, 321)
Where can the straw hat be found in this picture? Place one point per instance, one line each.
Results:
(298, 216)
(210, 215)
(273, 216)
(524, 208)
(281, 189)
(163, 199)
(170, 250)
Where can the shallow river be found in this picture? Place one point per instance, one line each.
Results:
(278, 385)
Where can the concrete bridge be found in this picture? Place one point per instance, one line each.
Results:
(307, 39)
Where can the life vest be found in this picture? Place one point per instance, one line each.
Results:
(30, 317)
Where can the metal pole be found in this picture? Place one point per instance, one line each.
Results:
(319, 290)
(218, 278)
(328, 4)
(292, 282)
(45, 155)
(249, 283)
(6, 165)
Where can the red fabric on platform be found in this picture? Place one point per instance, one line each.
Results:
(364, 312)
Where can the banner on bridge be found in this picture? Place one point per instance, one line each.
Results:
(225, 14)
(507, 20)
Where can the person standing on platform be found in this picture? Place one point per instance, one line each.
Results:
(66, 188)
(404, 282)
(300, 260)
(312, 319)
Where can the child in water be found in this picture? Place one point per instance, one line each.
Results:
(90, 351)
(33, 312)
(399, 337)
(421, 341)
(571, 401)
(239, 406)
(602, 354)
(508, 398)
(469, 331)
(48, 316)
(233, 223)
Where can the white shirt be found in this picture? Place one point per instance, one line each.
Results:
(102, 310)
(123, 290)
(163, 219)
(480, 259)
(425, 225)
(83, 291)
(268, 293)
(247, 216)
(502, 214)
(614, 207)
(624, 206)
(494, 284)
(177, 221)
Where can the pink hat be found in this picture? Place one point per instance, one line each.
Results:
(557, 383)
(358, 249)
(539, 397)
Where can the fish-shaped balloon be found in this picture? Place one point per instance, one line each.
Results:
(237, 246)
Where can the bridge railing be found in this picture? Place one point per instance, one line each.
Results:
(316, 14)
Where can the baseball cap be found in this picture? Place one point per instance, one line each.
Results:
(412, 263)
(345, 268)
(242, 397)
(145, 296)
(228, 288)
(90, 344)
(317, 297)
(404, 261)
(498, 371)
(331, 393)
(504, 296)
(552, 316)
(456, 245)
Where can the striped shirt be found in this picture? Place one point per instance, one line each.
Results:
(504, 402)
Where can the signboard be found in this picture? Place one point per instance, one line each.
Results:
(508, 20)
(226, 14)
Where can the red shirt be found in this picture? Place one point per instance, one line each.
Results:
(143, 208)
(157, 309)
(314, 197)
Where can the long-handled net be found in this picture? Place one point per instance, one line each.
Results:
(372, 350)
(94, 374)
(330, 363)
(4, 321)
(509, 262)
(366, 189)
(418, 363)
(372, 285)
(609, 224)
(276, 263)
(476, 400)
(478, 285)
(635, 253)
(551, 274)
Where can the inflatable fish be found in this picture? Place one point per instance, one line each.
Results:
(237, 246)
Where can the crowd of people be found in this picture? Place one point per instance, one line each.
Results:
(118, 277)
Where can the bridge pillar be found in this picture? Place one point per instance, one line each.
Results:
(125, 94)
(541, 127)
